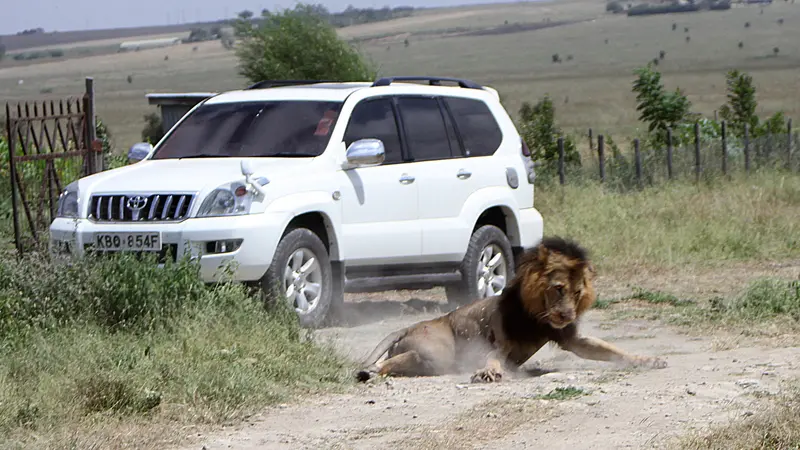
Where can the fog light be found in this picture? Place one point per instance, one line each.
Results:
(226, 246)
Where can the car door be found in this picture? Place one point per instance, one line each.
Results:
(380, 205)
(453, 160)
(434, 160)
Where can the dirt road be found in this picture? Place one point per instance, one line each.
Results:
(598, 405)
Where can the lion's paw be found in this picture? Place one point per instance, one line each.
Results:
(488, 375)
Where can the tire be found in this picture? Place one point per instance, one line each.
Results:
(474, 278)
(284, 271)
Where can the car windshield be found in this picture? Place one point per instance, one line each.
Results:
(292, 128)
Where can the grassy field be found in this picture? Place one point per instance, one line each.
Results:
(590, 90)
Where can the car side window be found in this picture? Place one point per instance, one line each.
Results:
(374, 119)
(424, 128)
(476, 124)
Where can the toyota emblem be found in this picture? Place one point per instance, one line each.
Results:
(137, 203)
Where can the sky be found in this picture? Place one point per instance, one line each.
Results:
(56, 15)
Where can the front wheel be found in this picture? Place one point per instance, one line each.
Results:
(486, 269)
(301, 272)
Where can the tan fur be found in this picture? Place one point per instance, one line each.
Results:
(550, 292)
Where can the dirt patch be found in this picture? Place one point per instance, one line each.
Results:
(613, 407)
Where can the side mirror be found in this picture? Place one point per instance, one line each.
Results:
(365, 153)
(139, 152)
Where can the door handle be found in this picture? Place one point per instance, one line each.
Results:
(406, 179)
(463, 174)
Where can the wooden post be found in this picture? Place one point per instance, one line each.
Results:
(638, 160)
(724, 149)
(591, 141)
(789, 145)
(95, 159)
(669, 153)
(746, 148)
(11, 126)
(601, 157)
(697, 167)
(561, 175)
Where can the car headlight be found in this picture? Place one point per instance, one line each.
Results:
(228, 200)
(68, 202)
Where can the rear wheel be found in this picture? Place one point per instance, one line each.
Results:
(301, 273)
(486, 269)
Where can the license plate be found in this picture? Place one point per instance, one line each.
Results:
(128, 241)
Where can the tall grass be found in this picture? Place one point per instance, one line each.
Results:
(674, 224)
(86, 345)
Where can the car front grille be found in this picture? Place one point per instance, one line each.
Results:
(140, 208)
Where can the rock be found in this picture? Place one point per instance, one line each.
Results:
(747, 383)
(691, 391)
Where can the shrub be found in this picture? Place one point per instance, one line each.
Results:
(153, 130)
(658, 108)
(614, 7)
(102, 339)
(539, 131)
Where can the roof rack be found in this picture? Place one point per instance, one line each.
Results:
(433, 81)
(266, 84)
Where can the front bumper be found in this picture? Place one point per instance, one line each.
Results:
(259, 233)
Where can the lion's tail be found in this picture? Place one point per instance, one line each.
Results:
(379, 350)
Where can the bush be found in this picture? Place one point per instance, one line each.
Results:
(153, 130)
(298, 44)
(87, 344)
(614, 7)
(538, 129)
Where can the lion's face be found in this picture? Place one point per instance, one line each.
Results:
(557, 288)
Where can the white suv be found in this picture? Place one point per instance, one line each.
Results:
(321, 188)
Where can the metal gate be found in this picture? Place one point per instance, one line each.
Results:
(50, 144)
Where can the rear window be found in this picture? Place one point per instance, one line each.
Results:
(253, 129)
(476, 125)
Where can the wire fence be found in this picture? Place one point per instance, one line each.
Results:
(696, 157)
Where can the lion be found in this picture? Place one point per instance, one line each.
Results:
(551, 290)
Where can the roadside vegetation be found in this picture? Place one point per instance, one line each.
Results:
(85, 346)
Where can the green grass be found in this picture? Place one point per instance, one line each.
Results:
(562, 393)
(645, 295)
(90, 349)
(679, 224)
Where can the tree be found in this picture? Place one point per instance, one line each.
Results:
(614, 7)
(539, 131)
(2, 51)
(741, 107)
(299, 44)
(152, 132)
(658, 108)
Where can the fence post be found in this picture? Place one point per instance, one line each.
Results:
(669, 153)
(11, 126)
(789, 145)
(697, 167)
(561, 177)
(724, 148)
(746, 148)
(95, 159)
(638, 160)
(591, 141)
(601, 157)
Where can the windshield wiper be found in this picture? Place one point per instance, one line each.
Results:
(202, 155)
(292, 154)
